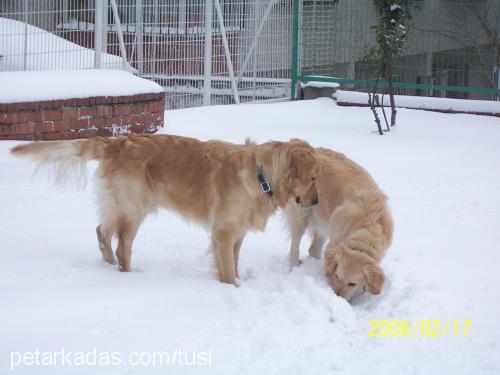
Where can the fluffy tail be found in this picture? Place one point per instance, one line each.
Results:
(68, 159)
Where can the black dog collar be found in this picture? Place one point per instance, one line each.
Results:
(264, 184)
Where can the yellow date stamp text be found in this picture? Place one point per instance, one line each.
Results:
(421, 327)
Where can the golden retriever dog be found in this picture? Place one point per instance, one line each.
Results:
(354, 216)
(227, 188)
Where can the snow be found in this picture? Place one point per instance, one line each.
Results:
(440, 172)
(130, 28)
(421, 102)
(69, 84)
(45, 51)
(318, 84)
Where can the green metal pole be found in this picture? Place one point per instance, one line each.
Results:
(295, 47)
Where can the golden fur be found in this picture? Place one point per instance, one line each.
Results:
(213, 183)
(353, 214)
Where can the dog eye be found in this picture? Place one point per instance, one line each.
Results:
(351, 284)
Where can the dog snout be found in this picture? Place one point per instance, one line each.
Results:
(315, 201)
(297, 200)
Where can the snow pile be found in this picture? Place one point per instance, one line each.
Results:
(421, 102)
(319, 84)
(69, 84)
(45, 51)
(440, 172)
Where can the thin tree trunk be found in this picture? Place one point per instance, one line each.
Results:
(371, 102)
(385, 115)
(391, 92)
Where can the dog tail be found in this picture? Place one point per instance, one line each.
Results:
(68, 159)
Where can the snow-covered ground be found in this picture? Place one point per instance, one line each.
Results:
(441, 173)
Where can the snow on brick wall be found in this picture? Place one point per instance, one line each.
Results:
(72, 104)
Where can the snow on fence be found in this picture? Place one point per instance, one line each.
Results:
(201, 52)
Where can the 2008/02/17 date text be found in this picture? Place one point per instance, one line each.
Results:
(422, 327)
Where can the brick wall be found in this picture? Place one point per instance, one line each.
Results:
(82, 118)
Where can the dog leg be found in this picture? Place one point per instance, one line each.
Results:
(104, 238)
(224, 247)
(237, 247)
(295, 250)
(316, 248)
(298, 221)
(126, 234)
(297, 226)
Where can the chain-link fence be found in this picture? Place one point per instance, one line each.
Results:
(230, 51)
(48, 35)
(453, 46)
(200, 51)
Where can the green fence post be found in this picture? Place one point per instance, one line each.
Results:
(295, 47)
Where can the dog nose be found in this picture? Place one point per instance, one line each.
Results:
(315, 201)
(297, 200)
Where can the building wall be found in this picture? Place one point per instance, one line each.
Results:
(444, 39)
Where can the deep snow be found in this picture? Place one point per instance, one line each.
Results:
(440, 172)
(44, 50)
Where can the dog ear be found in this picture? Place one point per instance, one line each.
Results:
(291, 173)
(374, 278)
(298, 163)
(281, 194)
(332, 257)
(283, 191)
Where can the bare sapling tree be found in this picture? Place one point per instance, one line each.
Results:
(391, 35)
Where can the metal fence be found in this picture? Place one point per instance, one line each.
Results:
(453, 46)
(201, 52)
(228, 51)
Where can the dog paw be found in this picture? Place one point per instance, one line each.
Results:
(295, 264)
(315, 254)
(110, 260)
(124, 268)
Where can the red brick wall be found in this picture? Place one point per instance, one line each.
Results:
(82, 118)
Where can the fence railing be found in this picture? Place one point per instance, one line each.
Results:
(201, 52)
(228, 51)
(453, 47)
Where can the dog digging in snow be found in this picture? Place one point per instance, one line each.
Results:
(227, 188)
(353, 216)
